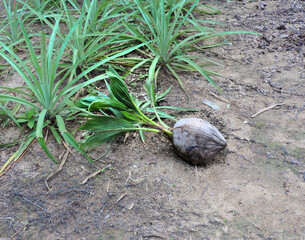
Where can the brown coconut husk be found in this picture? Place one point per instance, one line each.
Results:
(197, 141)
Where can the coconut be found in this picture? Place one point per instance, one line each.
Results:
(197, 141)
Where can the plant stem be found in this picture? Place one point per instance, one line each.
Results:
(149, 129)
(168, 133)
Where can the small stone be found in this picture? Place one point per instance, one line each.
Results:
(237, 17)
(261, 6)
(281, 27)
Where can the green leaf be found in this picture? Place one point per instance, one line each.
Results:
(177, 77)
(178, 108)
(107, 103)
(86, 101)
(30, 113)
(40, 123)
(61, 124)
(101, 137)
(142, 135)
(107, 124)
(160, 113)
(31, 123)
(11, 114)
(68, 137)
(45, 148)
(19, 152)
(120, 90)
(199, 69)
(5, 97)
(131, 116)
(56, 135)
(160, 96)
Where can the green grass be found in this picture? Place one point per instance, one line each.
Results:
(173, 33)
(10, 28)
(125, 36)
(47, 92)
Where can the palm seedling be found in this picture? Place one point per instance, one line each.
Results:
(46, 99)
(47, 93)
(173, 32)
(96, 38)
(10, 31)
(91, 41)
(194, 139)
(39, 9)
(44, 7)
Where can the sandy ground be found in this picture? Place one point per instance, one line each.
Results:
(254, 190)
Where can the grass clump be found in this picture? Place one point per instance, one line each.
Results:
(128, 36)
(10, 28)
(172, 32)
(46, 94)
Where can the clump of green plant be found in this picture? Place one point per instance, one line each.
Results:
(48, 89)
(10, 31)
(92, 39)
(172, 32)
(40, 9)
(6, 115)
(96, 38)
(194, 139)
(47, 93)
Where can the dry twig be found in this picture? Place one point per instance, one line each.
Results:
(219, 98)
(56, 171)
(16, 233)
(67, 147)
(13, 162)
(95, 173)
(108, 185)
(267, 108)
(121, 197)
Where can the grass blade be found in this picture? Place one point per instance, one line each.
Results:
(68, 137)
(45, 148)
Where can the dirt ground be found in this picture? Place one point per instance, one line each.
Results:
(254, 190)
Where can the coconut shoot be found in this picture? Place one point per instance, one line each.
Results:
(195, 140)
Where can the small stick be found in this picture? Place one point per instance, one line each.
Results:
(129, 177)
(16, 233)
(47, 134)
(125, 138)
(67, 147)
(34, 204)
(154, 236)
(56, 171)
(13, 162)
(267, 108)
(121, 197)
(220, 98)
(95, 173)
(108, 184)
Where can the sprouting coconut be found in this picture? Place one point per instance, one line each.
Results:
(194, 139)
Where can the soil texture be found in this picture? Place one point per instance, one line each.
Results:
(255, 189)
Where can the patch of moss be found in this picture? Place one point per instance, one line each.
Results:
(296, 134)
(261, 124)
(298, 153)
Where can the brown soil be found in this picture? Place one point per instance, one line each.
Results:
(255, 190)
